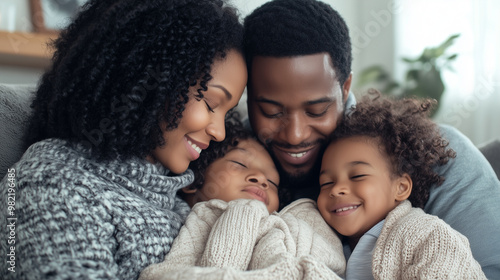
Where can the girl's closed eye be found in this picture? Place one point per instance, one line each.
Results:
(326, 184)
(360, 176)
(238, 163)
(273, 183)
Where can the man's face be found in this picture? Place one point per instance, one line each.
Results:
(294, 103)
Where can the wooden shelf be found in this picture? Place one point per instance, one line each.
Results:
(25, 49)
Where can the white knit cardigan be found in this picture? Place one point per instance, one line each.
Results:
(416, 245)
(240, 239)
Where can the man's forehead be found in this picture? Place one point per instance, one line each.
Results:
(290, 73)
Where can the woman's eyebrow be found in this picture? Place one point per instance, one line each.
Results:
(228, 94)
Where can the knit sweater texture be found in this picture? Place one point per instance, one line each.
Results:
(76, 218)
(241, 240)
(416, 245)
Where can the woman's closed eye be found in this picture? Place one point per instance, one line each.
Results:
(359, 176)
(207, 103)
(208, 106)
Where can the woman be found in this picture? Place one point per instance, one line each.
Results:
(136, 91)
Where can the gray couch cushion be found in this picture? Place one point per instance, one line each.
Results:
(491, 151)
(15, 101)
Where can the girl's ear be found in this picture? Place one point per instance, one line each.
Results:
(405, 185)
(189, 195)
(189, 189)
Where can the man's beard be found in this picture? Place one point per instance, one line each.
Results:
(297, 185)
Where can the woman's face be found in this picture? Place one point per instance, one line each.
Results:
(203, 119)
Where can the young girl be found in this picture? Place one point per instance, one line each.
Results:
(378, 164)
(234, 229)
(136, 91)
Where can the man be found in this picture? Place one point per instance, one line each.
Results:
(299, 61)
(300, 81)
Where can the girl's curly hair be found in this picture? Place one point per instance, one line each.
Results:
(235, 132)
(124, 66)
(405, 133)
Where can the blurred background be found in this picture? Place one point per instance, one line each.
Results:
(448, 49)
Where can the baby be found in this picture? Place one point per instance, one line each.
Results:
(237, 168)
(234, 231)
(377, 165)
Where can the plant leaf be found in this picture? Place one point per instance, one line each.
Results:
(373, 74)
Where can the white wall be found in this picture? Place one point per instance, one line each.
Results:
(15, 16)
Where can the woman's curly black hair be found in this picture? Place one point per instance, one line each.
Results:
(283, 28)
(235, 132)
(405, 133)
(124, 66)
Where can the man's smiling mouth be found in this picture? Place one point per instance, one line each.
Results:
(297, 155)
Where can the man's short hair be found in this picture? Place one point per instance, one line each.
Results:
(285, 28)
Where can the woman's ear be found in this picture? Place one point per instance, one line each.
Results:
(405, 185)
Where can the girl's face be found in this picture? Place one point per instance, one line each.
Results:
(203, 119)
(357, 189)
(246, 171)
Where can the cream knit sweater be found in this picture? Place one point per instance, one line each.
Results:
(415, 245)
(240, 239)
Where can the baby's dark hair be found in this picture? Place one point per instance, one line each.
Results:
(125, 66)
(405, 133)
(235, 132)
(284, 28)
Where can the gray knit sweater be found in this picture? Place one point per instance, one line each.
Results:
(75, 218)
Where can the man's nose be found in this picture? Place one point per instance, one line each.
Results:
(296, 129)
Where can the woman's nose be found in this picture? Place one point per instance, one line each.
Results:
(217, 129)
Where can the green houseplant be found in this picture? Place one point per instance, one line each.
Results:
(423, 77)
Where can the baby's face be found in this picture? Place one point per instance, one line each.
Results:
(357, 189)
(246, 171)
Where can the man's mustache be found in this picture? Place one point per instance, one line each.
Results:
(270, 142)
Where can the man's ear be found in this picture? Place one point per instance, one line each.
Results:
(405, 185)
(189, 189)
(346, 87)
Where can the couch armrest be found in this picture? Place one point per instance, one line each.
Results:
(491, 152)
(15, 101)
